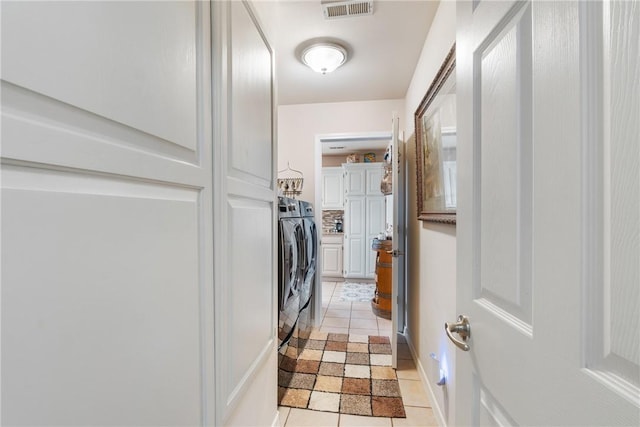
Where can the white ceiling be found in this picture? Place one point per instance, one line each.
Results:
(383, 50)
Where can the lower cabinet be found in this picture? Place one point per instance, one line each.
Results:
(332, 255)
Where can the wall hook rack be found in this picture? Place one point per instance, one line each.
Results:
(290, 182)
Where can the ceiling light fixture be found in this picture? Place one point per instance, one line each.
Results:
(324, 57)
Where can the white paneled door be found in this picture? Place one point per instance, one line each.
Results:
(374, 223)
(355, 237)
(107, 303)
(364, 219)
(399, 171)
(245, 218)
(133, 133)
(548, 225)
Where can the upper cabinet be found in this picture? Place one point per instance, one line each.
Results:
(362, 179)
(355, 179)
(332, 188)
(374, 179)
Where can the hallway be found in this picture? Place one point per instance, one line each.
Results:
(356, 318)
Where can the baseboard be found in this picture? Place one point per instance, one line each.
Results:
(437, 410)
(276, 421)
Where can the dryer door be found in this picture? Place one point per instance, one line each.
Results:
(290, 275)
(310, 260)
(289, 260)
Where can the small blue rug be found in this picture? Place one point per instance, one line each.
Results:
(357, 292)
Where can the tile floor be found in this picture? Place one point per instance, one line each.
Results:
(357, 318)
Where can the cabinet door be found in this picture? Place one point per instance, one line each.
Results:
(332, 260)
(374, 178)
(355, 180)
(332, 188)
(355, 237)
(374, 225)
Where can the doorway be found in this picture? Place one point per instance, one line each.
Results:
(331, 147)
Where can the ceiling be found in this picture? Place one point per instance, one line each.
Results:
(383, 49)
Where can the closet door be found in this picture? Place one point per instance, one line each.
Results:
(245, 219)
(107, 313)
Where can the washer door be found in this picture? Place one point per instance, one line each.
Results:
(289, 259)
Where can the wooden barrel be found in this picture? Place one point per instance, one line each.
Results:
(381, 302)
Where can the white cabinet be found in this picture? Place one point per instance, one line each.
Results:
(355, 179)
(332, 255)
(362, 179)
(374, 220)
(374, 179)
(355, 237)
(332, 188)
(363, 217)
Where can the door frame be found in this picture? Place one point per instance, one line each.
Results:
(347, 137)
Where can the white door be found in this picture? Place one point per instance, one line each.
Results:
(245, 219)
(548, 225)
(374, 222)
(354, 237)
(398, 239)
(107, 297)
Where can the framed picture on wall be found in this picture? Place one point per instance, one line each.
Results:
(435, 125)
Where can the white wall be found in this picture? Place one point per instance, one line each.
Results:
(431, 277)
(299, 124)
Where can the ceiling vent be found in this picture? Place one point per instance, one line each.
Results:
(344, 9)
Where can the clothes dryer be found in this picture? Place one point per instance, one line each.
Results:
(290, 269)
(309, 263)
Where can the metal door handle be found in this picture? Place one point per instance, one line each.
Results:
(395, 253)
(462, 328)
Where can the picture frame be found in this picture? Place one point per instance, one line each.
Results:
(435, 138)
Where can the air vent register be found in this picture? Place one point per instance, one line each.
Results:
(344, 9)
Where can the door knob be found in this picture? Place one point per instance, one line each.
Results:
(395, 253)
(462, 328)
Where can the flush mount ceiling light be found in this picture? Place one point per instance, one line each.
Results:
(324, 57)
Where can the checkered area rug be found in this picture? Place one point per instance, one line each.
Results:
(347, 374)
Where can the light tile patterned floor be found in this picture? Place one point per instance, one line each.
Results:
(357, 319)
